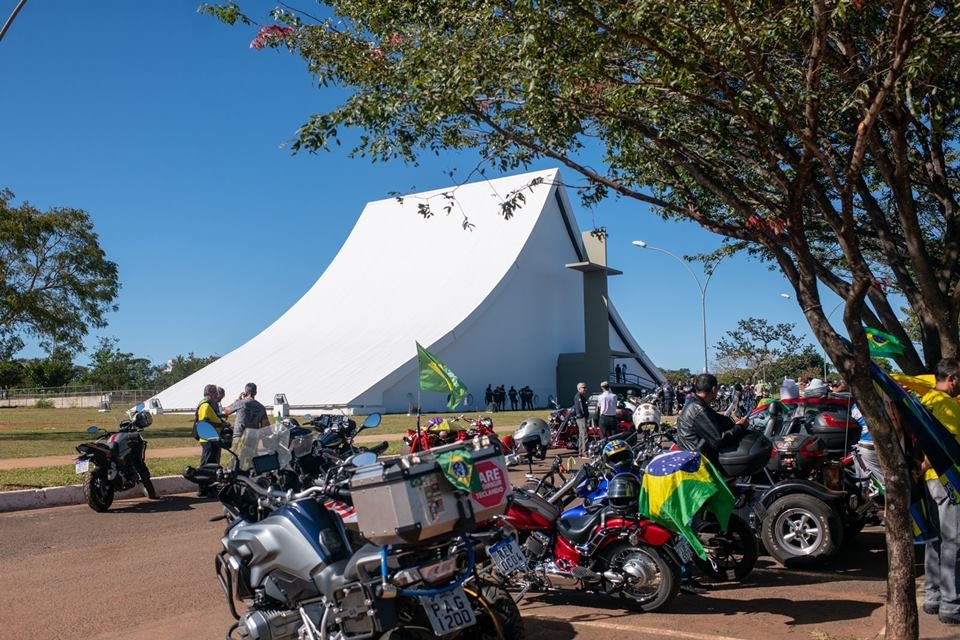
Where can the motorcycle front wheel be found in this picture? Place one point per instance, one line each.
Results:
(498, 618)
(97, 489)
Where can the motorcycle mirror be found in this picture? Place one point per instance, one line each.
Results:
(363, 459)
(307, 417)
(92, 429)
(206, 431)
(373, 420)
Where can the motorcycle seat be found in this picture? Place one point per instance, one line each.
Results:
(578, 528)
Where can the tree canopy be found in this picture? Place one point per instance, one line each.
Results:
(819, 136)
(55, 281)
(766, 351)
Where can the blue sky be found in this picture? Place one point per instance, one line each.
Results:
(169, 130)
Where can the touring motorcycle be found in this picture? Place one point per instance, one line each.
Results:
(115, 461)
(289, 559)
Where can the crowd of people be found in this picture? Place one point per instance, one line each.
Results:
(495, 398)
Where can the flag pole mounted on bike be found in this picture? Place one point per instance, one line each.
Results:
(436, 376)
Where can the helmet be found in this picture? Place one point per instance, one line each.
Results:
(533, 426)
(623, 492)
(646, 414)
(143, 419)
(617, 456)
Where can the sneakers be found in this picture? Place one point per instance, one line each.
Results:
(949, 619)
(931, 609)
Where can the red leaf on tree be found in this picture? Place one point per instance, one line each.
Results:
(267, 35)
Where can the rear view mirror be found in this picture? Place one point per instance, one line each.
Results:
(363, 459)
(206, 431)
(373, 420)
(92, 429)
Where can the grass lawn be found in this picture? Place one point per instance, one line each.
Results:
(28, 432)
(58, 476)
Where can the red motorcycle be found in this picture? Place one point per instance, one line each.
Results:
(439, 431)
(610, 549)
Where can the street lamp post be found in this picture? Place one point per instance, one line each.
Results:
(702, 287)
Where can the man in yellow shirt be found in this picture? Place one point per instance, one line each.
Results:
(207, 411)
(941, 589)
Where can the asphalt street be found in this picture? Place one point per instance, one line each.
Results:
(144, 571)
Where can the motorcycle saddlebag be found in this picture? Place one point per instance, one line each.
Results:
(745, 455)
(409, 499)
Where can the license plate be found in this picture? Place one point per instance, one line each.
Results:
(82, 466)
(448, 611)
(684, 550)
(508, 556)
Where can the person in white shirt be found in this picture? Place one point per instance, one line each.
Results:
(607, 408)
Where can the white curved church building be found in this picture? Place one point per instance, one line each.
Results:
(497, 304)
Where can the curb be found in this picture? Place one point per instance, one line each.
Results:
(73, 494)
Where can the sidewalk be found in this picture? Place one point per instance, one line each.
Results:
(178, 452)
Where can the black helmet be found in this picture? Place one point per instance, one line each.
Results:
(143, 419)
(623, 491)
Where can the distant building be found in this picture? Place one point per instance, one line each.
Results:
(497, 304)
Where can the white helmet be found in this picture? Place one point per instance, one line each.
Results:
(646, 414)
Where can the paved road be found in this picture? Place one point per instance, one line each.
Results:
(144, 571)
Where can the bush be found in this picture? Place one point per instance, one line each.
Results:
(43, 404)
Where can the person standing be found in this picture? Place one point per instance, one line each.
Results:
(499, 396)
(617, 374)
(941, 583)
(607, 409)
(207, 411)
(513, 398)
(580, 415)
(488, 397)
(668, 399)
(250, 412)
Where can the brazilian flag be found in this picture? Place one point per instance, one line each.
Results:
(883, 345)
(676, 486)
(457, 466)
(435, 376)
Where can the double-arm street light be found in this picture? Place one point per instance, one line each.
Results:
(701, 286)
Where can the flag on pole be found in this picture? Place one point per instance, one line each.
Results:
(436, 376)
(883, 345)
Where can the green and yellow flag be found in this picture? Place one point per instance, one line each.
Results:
(676, 485)
(457, 466)
(883, 345)
(435, 376)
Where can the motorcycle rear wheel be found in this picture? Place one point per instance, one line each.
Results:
(97, 489)
(735, 551)
(667, 587)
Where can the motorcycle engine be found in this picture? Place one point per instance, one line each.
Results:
(267, 624)
(536, 546)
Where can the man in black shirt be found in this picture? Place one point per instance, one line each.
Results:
(699, 427)
(580, 412)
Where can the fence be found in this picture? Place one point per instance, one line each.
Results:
(73, 397)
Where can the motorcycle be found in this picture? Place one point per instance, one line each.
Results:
(289, 560)
(609, 548)
(439, 432)
(115, 461)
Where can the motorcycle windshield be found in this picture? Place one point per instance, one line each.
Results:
(259, 442)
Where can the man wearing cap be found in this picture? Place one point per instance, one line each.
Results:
(607, 409)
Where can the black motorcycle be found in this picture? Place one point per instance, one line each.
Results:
(116, 461)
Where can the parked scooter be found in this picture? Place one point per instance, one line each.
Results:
(289, 559)
(116, 461)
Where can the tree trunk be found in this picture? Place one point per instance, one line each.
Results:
(901, 614)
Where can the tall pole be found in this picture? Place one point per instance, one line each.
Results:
(701, 286)
(824, 348)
